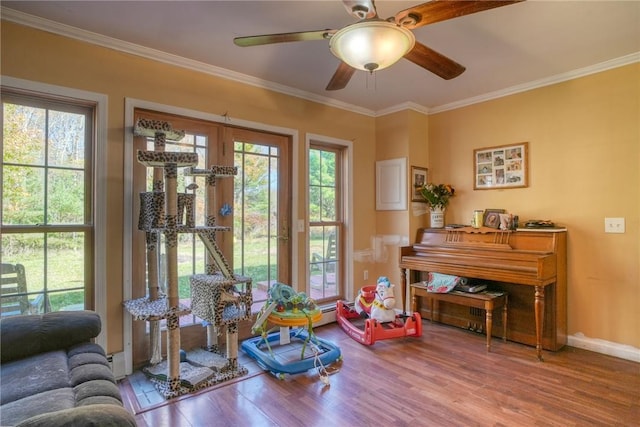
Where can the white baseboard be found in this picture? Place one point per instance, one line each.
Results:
(622, 351)
(117, 365)
(328, 316)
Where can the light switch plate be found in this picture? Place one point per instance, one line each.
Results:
(614, 225)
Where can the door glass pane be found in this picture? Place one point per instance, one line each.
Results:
(256, 216)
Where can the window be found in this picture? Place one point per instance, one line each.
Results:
(47, 204)
(326, 223)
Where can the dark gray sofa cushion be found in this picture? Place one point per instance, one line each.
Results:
(24, 336)
(85, 416)
(48, 401)
(96, 388)
(33, 375)
(51, 374)
(89, 372)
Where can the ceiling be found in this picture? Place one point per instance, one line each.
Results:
(507, 49)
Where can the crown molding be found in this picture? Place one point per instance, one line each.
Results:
(17, 17)
(36, 22)
(547, 81)
(403, 107)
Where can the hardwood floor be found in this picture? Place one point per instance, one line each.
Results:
(444, 378)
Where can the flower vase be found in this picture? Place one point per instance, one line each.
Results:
(437, 217)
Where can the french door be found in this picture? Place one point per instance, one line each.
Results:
(262, 195)
(255, 204)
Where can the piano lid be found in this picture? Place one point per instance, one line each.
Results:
(509, 256)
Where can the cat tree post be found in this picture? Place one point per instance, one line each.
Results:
(153, 283)
(212, 328)
(171, 250)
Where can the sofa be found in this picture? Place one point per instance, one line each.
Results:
(52, 374)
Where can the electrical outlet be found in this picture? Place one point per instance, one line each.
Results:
(614, 225)
(366, 275)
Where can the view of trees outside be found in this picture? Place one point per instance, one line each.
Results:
(324, 220)
(255, 213)
(46, 217)
(322, 185)
(44, 214)
(191, 250)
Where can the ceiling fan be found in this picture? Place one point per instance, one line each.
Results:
(373, 44)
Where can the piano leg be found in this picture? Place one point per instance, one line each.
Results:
(403, 286)
(489, 323)
(539, 309)
(504, 317)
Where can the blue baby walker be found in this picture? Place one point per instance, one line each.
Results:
(294, 348)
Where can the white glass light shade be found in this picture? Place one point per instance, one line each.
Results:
(371, 45)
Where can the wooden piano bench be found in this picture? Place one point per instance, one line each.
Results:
(487, 301)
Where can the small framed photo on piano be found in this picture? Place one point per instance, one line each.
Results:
(503, 166)
(492, 218)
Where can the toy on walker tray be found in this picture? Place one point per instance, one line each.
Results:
(290, 351)
(373, 317)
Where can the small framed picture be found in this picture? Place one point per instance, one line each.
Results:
(492, 218)
(418, 180)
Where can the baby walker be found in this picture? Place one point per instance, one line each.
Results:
(277, 351)
(372, 316)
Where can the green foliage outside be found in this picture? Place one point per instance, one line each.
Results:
(28, 166)
(43, 183)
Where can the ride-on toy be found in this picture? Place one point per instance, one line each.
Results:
(376, 303)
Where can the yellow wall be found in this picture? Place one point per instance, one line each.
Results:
(584, 139)
(39, 56)
(392, 142)
(399, 135)
(584, 161)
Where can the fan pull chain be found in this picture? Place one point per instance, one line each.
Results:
(375, 80)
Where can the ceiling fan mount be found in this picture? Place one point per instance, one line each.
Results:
(373, 44)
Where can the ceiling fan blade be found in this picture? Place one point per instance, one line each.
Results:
(435, 62)
(341, 77)
(441, 10)
(283, 38)
(360, 9)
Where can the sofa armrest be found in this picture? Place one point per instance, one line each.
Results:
(83, 416)
(23, 336)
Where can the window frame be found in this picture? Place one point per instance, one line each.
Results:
(344, 214)
(99, 103)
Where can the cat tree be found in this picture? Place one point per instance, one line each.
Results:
(219, 297)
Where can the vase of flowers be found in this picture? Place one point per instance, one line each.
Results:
(437, 195)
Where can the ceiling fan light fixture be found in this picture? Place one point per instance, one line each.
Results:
(371, 45)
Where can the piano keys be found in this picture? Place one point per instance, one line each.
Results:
(529, 264)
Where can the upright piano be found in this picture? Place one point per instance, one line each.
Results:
(529, 264)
